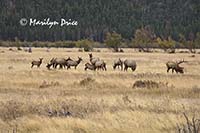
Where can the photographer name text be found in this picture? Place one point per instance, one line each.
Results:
(48, 22)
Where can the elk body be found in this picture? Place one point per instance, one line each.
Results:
(89, 66)
(93, 60)
(62, 62)
(36, 63)
(175, 66)
(52, 63)
(73, 63)
(100, 65)
(129, 64)
(118, 63)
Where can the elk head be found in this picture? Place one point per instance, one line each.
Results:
(90, 55)
(79, 58)
(179, 69)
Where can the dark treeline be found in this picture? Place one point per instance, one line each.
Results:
(97, 17)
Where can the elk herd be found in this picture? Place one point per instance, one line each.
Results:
(96, 63)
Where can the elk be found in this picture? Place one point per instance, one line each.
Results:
(62, 62)
(48, 66)
(100, 65)
(37, 63)
(73, 63)
(118, 63)
(175, 66)
(93, 60)
(89, 66)
(131, 64)
(52, 63)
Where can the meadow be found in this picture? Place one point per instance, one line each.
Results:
(61, 100)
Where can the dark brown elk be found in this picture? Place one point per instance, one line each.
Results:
(36, 63)
(175, 66)
(118, 63)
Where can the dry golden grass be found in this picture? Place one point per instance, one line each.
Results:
(106, 103)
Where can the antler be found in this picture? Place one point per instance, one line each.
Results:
(181, 61)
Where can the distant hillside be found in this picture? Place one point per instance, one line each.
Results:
(96, 17)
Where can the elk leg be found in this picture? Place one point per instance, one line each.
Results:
(60, 66)
(125, 68)
(55, 66)
(102, 68)
(105, 68)
(114, 67)
(172, 70)
(176, 71)
(168, 69)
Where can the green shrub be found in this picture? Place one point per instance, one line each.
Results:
(86, 44)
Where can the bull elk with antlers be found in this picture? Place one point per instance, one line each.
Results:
(175, 66)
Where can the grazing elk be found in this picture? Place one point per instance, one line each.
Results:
(51, 63)
(131, 64)
(175, 66)
(93, 60)
(62, 62)
(89, 66)
(118, 63)
(73, 63)
(37, 63)
(100, 65)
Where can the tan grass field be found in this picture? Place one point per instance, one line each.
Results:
(108, 103)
